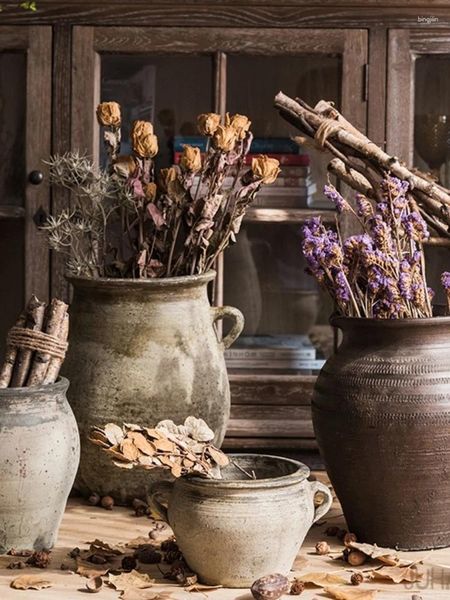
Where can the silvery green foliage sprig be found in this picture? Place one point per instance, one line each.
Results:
(379, 273)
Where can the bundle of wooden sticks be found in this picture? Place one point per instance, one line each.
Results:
(36, 345)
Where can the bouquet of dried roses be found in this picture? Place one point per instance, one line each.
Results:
(379, 273)
(128, 221)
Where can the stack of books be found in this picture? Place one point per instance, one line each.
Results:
(280, 353)
(293, 186)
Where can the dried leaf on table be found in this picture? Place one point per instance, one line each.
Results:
(321, 579)
(30, 582)
(113, 432)
(105, 548)
(201, 587)
(340, 593)
(374, 551)
(398, 574)
(133, 579)
(88, 569)
(144, 594)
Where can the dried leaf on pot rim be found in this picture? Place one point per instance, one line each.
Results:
(218, 456)
(114, 433)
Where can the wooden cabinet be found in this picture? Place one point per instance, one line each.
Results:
(168, 62)
(25, 130)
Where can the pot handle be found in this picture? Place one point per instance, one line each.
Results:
(164, 489)
(221, 312)
(320, 511)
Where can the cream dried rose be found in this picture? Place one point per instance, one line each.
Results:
(108, 114)
(241, 124)
(265, 168)
(225, 138)
(191, 159)
(143, 140)
(207, 123)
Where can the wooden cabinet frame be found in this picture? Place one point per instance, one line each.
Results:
(36, 42)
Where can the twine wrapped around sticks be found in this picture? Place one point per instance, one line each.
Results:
(38, 341)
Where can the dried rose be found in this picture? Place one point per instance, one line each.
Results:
(150, 191)
(166, 176)
(207, 123)
(241, 124)
(191, 159)
(265, 168)
(143, 140)
(225, 138)
(108, 114)
(124, 165)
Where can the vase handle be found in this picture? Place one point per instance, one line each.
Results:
(221, 312)
(164, 489)
(320, 511)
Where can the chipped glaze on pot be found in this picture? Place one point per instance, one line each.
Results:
(234, 530)
(141, 351)
(381, 414)
(39, 456)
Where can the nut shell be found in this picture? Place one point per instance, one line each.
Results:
(270, 587)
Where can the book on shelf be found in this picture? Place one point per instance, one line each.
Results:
(277, 145)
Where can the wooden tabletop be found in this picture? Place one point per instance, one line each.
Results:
(83, 523)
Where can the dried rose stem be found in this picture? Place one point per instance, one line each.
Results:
(10, 358)
(35, 312)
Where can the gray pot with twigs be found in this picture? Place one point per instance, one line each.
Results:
(141, 249)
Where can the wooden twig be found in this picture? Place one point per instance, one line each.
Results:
(10, 358)
(34, 320)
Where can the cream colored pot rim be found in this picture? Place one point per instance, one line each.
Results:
(301, 473)
(157, 282)
(60, 385)
(342, 322)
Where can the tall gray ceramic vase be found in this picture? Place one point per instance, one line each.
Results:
(142, 351)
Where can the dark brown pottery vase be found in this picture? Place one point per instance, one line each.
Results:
(381, 414)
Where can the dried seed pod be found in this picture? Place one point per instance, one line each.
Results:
(18, 564)
(349, 538)
(331, 531)
(97, 559)
(160, 532)
(173, 556)
(297, 587)
(270, 587)
(129, 563)
(40, 559)
(356, 578)
(169, 546)
(322, 548)
(94, 499)
(94, 585)
(107, 502)
(75, 553)
(355, 558)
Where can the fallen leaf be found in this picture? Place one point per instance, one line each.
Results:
(390, 560)
(398, 574)
(136, 594)
(340, 593)
(115, 453)
(201, 587)
(30, 582)
(176, 470)
(132, 426)
(88, 569)
(321, 579)
(98, 437)
(105, 548)
(94, 585)
(133, 579)
(374, 551)
(114, 433)
(198, 429)
(137, 541)
(218, 457)
(164, 445)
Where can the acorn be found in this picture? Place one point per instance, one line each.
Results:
(107, 502)
(94, 499)
(355, 558)
(270, 587)
(297, 587)
(356, 578)
(322, 548)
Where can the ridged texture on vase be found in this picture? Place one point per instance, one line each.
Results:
(39, 456)
(142, 351)
(381, 414)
